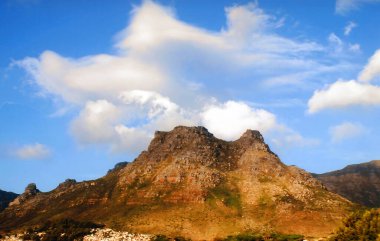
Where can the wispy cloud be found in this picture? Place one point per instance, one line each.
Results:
(346, 130)
(345, 6)
(349, 27)
(34, 151)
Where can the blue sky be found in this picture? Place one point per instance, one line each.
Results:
(84, 84)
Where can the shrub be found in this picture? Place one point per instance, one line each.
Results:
(62, 230)
(360, 225)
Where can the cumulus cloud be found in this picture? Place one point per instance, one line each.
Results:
(349, 27)
(95, 123)
(342, 94)
(34, 151)
(346, 130)
(345, 6)
(155, 78)
(372, 69)
(230, 119)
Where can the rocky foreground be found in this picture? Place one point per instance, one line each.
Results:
(111, 235)
(98, 234)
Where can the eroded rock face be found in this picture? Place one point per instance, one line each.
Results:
(359, 183)
(30, 191)
(190, 183)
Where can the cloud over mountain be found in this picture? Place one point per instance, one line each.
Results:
(154, 80)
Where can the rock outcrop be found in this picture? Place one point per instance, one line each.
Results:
(359, 183)
(30, 191)
(192, 184)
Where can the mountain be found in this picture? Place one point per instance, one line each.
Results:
(189, 183)
(359, 183)
(6, 198)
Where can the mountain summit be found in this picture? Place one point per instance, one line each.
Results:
(192, 184)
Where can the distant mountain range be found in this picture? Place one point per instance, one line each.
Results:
(359, 183)
(189, 183)
(6, 198)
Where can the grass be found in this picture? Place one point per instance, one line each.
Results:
(229, 196)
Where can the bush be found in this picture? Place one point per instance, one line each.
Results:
(161, 237)
(259, 237)
(63, 230)
(360, 225)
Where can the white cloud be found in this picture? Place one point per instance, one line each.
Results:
(336, 41)
(346, 130)
(340, 48)
(35, 151)
(345, 6)
(372, 69)
(230, 119)
(102, 122)
(341, 94)
(349, 27)
(91, 77)
(344, 94)
(95, 123)
(155, 78)
(286, 137)
(354, 48)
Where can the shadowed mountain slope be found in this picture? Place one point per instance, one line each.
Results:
(359, 183)
(6, 198)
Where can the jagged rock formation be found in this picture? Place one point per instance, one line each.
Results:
(359, 183)
(30, 191)
(189, 183)
(6, 198)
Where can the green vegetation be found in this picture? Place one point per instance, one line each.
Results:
(63, 230)
(259, 237)
(161, 237)
(362, 225)
(229, 196)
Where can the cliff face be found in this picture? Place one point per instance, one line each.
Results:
(359, 183)
(6, 198)
(192, 184)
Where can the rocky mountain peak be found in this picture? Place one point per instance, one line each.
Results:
(252, 139)
(252, 135)
(67, 183)
(31, 189)
(181, 138)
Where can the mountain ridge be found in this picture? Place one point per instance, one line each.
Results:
(6, 198)
(359, 183)
(189, 183)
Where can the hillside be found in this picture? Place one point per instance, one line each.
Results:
(359, 183)
(189, 183)
(6, 198)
